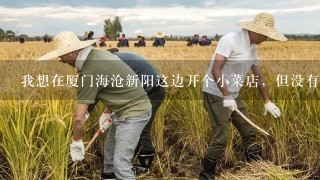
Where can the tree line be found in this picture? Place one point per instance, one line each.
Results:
(113, 28)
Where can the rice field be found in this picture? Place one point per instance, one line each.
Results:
(35, 123)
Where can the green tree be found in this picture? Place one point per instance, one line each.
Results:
(106, 29)
(117, 26)
(109, 29)
(217, 37)
(113, 33)
(112, 28)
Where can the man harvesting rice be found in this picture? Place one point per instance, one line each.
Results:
(235, 54)
(130, 104)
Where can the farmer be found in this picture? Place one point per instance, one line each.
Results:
(141, 42)
(159, 41)
(195, 39)
(130, 104)
(189, 42)
(235, 54)
(123, 41)
(90, 37)
(205, 41)
(103, 41)
(151, 83)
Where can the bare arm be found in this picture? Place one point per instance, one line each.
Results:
(217, 75)
(261, 83)
(78, 120)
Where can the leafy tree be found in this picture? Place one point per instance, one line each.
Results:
(217, 37)
(112, 28)
(107, 27)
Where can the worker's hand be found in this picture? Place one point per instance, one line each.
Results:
(105, 121)
(272, 109)
(77, 150)
(229, 102)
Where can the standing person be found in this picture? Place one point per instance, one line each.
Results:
(130, 104)
(151, 83)
(235, 54)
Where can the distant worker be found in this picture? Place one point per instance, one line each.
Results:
(123, 41)
(205, 41)
(189, 42)
(195, 39)
(21, 39)
(159, 41)
(90, 37)
(141, 42)
(46, 38)
(103, 41)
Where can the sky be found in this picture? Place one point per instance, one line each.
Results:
(146, 17)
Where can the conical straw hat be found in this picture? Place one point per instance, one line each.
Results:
(64, 43)
(263, 23)
(159, 35)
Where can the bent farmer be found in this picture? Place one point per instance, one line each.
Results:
(130, 104)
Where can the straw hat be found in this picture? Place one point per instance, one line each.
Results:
(159, 35)
(263, 23)
(64, 43)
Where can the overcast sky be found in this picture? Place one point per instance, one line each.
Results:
(184, 17)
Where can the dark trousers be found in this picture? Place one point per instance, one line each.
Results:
(221, 117)
(145, 146)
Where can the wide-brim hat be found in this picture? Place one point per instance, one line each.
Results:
(139, 36)
(159, 35)
(64, 43)
(263, 23)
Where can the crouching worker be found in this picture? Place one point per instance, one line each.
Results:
(123, 41)
(141, 42)
(152, 85)
(235, 55)
(131, 105)
(159, 41)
